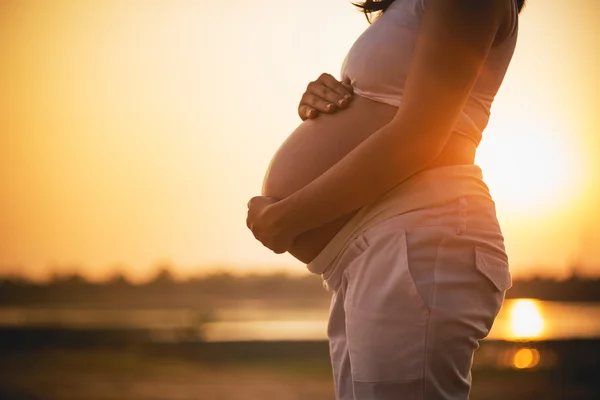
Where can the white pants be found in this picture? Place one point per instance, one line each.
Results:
(415, 294)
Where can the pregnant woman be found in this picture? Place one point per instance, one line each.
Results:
(380, 195)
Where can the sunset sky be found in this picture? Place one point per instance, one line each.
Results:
(133, 132)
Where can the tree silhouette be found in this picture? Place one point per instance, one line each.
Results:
(163, 276)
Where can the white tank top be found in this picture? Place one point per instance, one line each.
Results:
(378, 62)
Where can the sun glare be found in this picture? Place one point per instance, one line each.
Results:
(532, 171)
(526, 321)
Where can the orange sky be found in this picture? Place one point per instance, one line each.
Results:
(134, 132)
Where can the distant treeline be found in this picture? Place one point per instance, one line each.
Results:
(165, 291)
(224, 289)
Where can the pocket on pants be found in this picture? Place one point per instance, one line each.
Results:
(493, 266)
(386, 318)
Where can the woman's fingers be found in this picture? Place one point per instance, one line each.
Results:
(336, 87)
(348, 85)
(325, 95)
(330, 89)
(320, 102)
(320, 97)
(311, 105)
(306, 112)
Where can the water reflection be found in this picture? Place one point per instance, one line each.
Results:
(519, 320)
(526, 319)
(530, 319)
(265, 330)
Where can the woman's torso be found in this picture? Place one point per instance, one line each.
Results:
(318, 144)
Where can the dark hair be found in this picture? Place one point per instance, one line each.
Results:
(378, 6)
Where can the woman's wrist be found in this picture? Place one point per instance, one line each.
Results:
(283, 218)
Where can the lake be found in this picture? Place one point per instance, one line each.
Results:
(519, 319)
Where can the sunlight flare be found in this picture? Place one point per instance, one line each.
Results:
(526, 320)
(536, 171)
(526, 358)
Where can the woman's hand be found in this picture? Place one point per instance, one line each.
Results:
(265, 225)
(326, 95)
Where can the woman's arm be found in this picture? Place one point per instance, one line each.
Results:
(454, 40)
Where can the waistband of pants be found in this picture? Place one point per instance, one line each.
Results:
(426, 189)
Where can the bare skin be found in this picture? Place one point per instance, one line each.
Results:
(314, 147)
(325, 138)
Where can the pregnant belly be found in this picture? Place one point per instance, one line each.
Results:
(312, 149)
